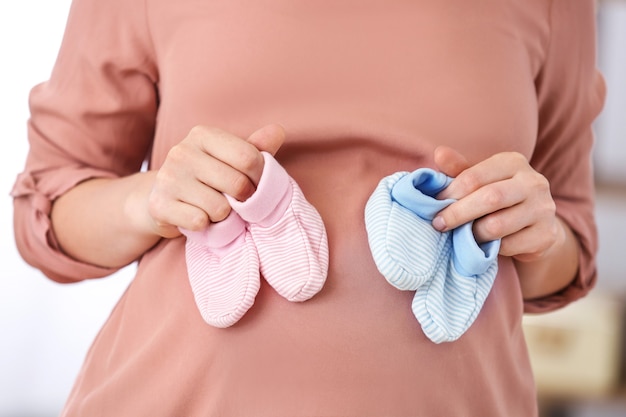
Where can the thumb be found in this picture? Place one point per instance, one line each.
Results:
(450, 161)
(268, 138)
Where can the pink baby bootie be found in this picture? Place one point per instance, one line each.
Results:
(288, 232)
(223, 269)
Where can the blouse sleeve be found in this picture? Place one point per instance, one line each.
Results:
(570, 93)
(93, 118)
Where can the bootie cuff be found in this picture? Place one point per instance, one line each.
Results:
(271, 198)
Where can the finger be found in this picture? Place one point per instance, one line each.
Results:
(225, 179)
(499, 167)
(185, 216)
(502, 223)
(268, 138)
(189, 204)
(450, 161)
(231, 150)
(488, 199)
(168, 214)
(210, 201)
(187, 165)
(528, 244)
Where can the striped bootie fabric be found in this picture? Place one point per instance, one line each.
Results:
(288, 232)
(450, 272)
(275, 233)
(223, 269)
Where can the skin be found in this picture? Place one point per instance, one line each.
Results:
(131, 214)
(509, 200)
(503, 194)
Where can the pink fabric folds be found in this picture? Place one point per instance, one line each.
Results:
(276, 233)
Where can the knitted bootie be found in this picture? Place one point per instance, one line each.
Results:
(448, 305)
(288, 232)
(451, 273)
(223, 269)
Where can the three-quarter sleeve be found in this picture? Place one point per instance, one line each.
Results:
(94, 117)
(571, 94)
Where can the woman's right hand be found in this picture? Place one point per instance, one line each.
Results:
(188, 190)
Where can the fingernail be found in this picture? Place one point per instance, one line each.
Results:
(439, 223)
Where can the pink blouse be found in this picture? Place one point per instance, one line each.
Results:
(364, 88)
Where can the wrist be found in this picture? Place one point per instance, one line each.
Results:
(554, 270)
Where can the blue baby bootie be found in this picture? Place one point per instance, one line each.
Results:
(450, 272)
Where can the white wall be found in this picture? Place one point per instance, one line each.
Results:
(611, 125)
(45, 328)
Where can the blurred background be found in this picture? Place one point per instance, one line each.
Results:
(578, 353)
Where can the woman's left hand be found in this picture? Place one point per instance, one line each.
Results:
(506, 198)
